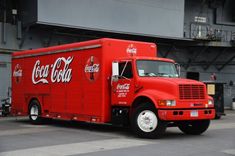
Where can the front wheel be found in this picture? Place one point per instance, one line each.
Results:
(217, 116)
(196, 127)
(145, 122)
(35, 112)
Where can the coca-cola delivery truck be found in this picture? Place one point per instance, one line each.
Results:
(109, 81)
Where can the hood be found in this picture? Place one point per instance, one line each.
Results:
(179, 81)
(173, 81)
(166, 85)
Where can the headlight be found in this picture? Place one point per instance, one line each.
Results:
(170, 103)
(210, 102)
(167, 103)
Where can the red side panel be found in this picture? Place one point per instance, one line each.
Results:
(71, 81)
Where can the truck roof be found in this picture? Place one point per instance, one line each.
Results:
(155, 58)
(56, 48)
(70, 47)
(147, 58)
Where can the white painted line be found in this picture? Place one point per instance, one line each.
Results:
(230, 114)
(13, 118)
(23, 131)
(218, 126)
(229, 151)
(34, 126)
(79, 148)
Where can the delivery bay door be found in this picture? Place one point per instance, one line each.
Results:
(92, 99)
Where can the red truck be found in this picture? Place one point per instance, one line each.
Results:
(109, 81)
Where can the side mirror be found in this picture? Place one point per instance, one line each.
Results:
(178, 68)
(115, 71)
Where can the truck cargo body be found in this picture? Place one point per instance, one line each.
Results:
(60, 78)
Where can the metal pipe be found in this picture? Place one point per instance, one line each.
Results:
(4, 23)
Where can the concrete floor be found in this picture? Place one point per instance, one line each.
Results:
(18, 137)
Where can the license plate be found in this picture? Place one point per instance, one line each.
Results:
(194, 113)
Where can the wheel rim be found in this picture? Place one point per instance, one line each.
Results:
(34, 112)
(147, 121)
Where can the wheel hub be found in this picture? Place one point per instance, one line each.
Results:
(147, 121)
(34, 112)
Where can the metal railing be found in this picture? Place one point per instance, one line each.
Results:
(207, 32)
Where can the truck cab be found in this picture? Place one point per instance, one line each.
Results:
(150, 92)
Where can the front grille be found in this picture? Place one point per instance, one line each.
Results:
(188, 92)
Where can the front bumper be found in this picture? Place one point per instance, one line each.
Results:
(186, 114)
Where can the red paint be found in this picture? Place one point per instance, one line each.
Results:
(169, 116)
(73, 81)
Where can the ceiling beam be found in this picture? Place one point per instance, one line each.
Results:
(225, 64)
(215, 58)
(192, 59)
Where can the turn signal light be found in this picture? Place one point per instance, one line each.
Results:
(162, 102)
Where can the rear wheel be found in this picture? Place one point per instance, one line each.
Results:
(145, 122)
(35, 112)
(194, 127)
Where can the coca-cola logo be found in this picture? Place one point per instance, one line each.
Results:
(131, 49)
(17, 73)
(123, 90)
(125, 86)
(59, 71)
(92, 68)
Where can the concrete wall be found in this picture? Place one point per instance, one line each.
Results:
(9, 44)
(5, 74)
(148, 17)
(10, 41)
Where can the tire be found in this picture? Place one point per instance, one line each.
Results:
(145, 122)
(217, 116)
(35, 112)
(194, 127)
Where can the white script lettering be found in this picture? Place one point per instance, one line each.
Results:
(60, 71)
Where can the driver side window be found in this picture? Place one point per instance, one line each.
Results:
(125, 69)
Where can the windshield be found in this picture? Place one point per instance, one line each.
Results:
(149, 68)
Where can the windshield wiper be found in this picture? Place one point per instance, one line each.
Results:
(149, 74)
(163, 75)
(157, 74)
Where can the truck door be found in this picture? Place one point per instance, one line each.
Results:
(123, 87)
